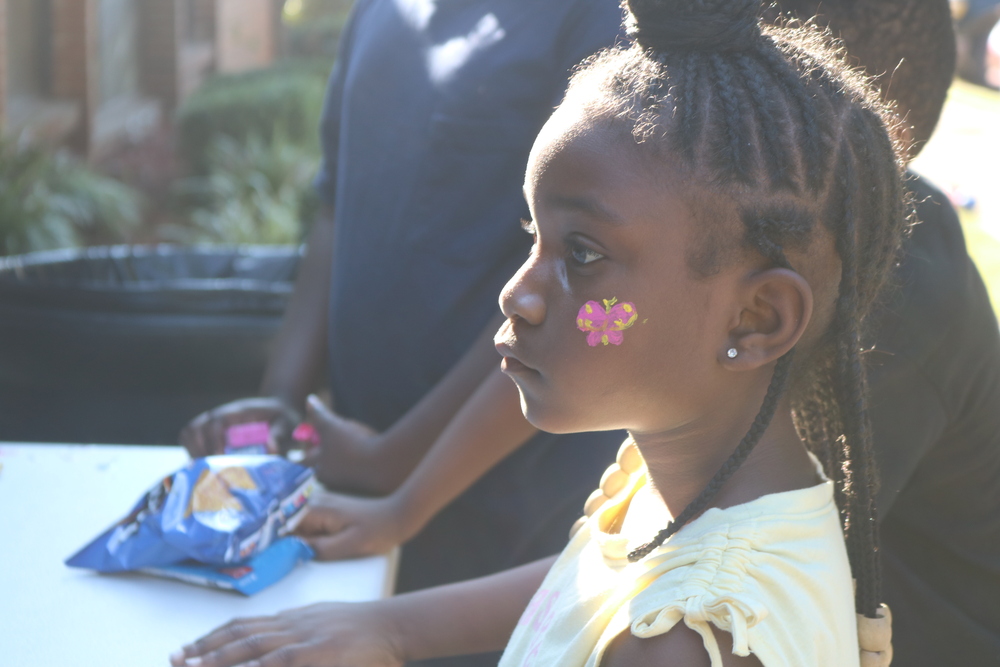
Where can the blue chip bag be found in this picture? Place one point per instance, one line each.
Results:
(259, 572)
(218, 510)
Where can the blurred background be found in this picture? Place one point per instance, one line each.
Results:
(168, 120)
(156, 159)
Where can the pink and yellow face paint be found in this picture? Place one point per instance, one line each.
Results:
(604, 324)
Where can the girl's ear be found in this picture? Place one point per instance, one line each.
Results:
(775, 307)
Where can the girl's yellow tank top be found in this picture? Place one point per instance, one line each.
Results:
(772, 572)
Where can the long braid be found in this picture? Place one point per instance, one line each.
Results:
(757, 232)
(760, 423)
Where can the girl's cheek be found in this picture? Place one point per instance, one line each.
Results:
(606, 323)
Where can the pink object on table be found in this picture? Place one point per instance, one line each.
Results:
(306, 432)
(247, 435)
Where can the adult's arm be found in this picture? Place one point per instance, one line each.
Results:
(296, 361)
(298, 357)
(488, 427)
(352, 458)
(469, 617)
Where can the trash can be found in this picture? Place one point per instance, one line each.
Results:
(125, 344)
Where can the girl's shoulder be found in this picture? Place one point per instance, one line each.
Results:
(771, 574)
(680, 646)
(768, 579)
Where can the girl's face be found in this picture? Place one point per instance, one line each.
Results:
(608, 224)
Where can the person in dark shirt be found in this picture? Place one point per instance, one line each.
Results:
(934, 371)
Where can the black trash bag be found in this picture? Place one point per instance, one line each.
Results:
(125, 344)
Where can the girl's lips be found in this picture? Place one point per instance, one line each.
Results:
(512, 365)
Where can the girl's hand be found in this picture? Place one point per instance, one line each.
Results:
(347, 456)
(338, 527)
(321, 635)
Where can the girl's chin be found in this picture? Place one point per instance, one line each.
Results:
(552, 420)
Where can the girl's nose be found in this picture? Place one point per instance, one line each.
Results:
(521, 300)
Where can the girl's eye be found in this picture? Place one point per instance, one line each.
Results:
(584, 255)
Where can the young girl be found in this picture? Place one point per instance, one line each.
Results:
(715, 209)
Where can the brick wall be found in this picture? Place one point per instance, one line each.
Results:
(159, 45)
(71, 54)
(245, 34)
(69, 48)
(240, 35)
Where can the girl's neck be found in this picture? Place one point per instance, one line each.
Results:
(681, 465)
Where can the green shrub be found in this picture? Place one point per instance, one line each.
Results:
(313, 39)
(288, 95)
(256, 191)
(299, 12)
(49, 200)
(313, 27)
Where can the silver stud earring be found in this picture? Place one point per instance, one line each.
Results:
(731, 353)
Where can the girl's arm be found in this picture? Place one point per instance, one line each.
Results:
(682, 647)
(487, 428)
(469, 617)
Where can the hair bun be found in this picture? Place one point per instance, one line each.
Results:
(693, 25)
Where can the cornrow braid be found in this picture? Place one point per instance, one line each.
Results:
(759, 82)
(685, 95)
(805, 113)
(773, 120)
(732, 149)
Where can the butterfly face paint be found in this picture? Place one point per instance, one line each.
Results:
(605, 324)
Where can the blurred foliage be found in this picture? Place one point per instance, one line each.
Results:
(250, 140)
(288, 95)
(50, 200)
(256, 191)
(313, 27)
(297, 12)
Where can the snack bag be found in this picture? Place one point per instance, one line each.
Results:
(218, 510)
(267, 567)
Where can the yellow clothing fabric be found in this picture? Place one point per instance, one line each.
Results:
(772, 572)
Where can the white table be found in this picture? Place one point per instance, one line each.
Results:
(56, 498)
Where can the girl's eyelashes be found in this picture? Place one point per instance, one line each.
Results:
(583, 255)
(579, 253)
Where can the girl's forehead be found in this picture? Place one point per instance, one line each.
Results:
(573, 132)
(578, 149)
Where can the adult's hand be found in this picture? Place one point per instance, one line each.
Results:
(338, 527)
(347, 457)
(206, 434)
(320, 635)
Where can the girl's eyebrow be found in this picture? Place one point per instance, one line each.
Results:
(586, 205)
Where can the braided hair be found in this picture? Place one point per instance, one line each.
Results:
(774, 121)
